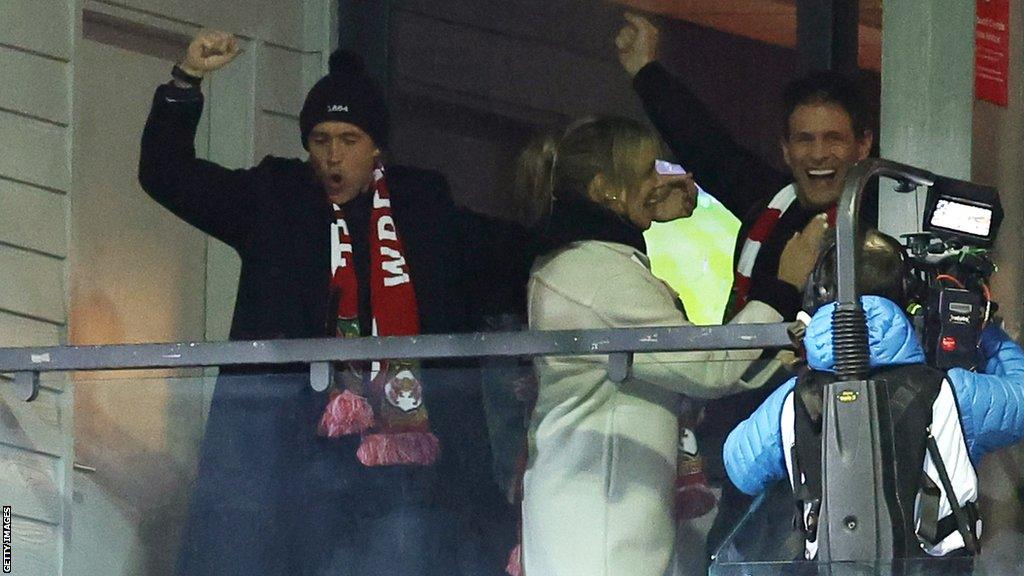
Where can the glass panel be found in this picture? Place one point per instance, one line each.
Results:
(233, 474)
(229, 472)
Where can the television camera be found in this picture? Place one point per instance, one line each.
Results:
(949, 267)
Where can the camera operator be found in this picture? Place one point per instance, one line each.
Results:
(968, 414)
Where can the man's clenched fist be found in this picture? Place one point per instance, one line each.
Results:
(208, 51)
(637, 42)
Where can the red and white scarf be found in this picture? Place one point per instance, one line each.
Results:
(381, 400)
(759, 233)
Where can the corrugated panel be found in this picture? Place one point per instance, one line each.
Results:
(34, 151)
(32, 218)
(39, 425)
(32, 284)
(39, 25)
(18, 331)
(35, 548)
(36, 86)
(30, 483)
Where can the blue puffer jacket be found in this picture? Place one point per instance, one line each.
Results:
(991, 403)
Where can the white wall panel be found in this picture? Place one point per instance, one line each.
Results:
(37, 38)
(30, 483)
(278, 21)
(35, 85)
(280, 80)
(32, 218)
(32, 284)
(34, 151)
(39, 25)
(40, 425)
(18, 331)
(35, 547)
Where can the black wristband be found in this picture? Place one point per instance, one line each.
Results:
(178, 74)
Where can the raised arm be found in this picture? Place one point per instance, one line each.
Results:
(729, 171)
(208, 196)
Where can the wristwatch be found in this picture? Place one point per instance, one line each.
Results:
(183, 79)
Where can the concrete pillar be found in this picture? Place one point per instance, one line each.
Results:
(927, 98)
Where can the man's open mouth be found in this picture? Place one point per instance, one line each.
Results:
(821, 174)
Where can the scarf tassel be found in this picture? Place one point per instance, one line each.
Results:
(346, 413)
(390, 449)
(515, 562)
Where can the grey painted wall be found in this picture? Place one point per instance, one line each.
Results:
(36, 49)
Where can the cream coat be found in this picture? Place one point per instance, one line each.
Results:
(599, 485)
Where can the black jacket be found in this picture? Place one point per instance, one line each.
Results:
(277, 218)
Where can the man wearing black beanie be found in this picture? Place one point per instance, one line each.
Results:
(361, 480)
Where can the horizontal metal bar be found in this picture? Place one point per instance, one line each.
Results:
(481, 344)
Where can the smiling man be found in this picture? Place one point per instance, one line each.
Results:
(825, 133)
(360, 480)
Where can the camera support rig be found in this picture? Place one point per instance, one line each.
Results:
(854, 523)
(854, 519)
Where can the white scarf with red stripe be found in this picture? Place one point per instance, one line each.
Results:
(759, 233)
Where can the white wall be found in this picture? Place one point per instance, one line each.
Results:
(36, 39)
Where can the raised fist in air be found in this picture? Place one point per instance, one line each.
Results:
(637, 42)
(208, 51)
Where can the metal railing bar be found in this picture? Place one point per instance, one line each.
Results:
(453, 346)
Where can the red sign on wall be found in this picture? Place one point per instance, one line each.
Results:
(992, 51)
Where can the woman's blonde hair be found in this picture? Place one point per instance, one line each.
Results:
(552, 168)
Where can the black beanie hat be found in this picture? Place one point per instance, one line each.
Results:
(346, 94)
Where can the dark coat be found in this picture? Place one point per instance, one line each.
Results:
(276, 217)
(272, 497)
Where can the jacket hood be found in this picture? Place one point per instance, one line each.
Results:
(891, 337)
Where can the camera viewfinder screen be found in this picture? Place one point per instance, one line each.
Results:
(960, 217)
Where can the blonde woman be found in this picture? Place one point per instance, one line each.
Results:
(598, 489)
